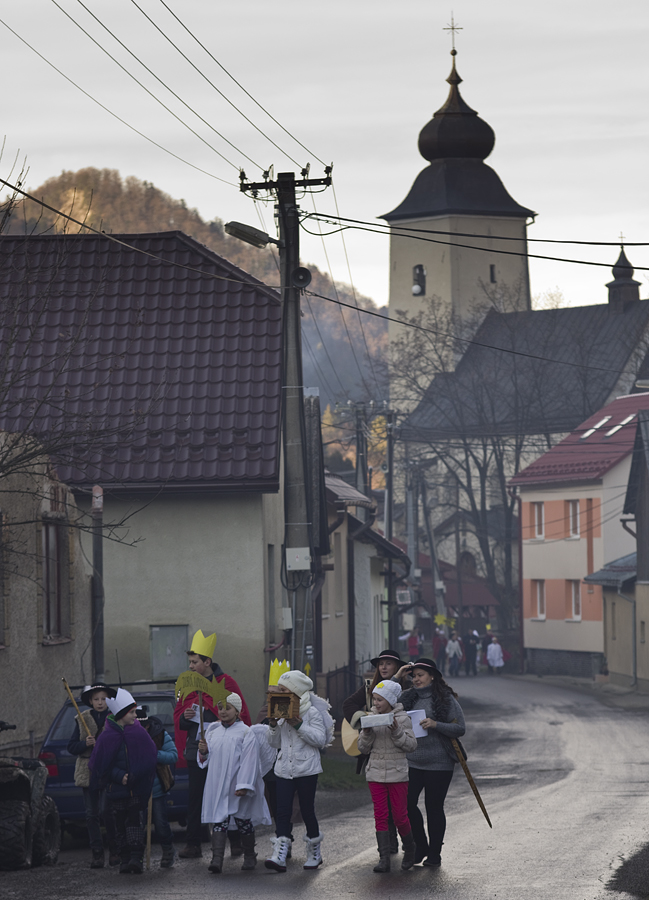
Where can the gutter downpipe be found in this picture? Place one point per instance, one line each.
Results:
(634, 657)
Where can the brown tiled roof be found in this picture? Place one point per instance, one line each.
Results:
(200, 355)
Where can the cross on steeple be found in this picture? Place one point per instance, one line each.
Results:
(453, 28)
(621, 240)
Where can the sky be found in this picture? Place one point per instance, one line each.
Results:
(563, 85)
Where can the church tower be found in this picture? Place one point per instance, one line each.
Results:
(457, 194)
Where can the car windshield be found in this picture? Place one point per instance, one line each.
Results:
(162, 707)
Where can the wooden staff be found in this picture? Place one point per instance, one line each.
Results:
(74, 703)
(149, 816)
(469, 777)
(200, 713)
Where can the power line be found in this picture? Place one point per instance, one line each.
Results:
(110, 112)
(494, 237)
(414, 237)
(150, 93)
(203, 75)
(324, 347)
(342, 315)
(351, 282)
(369, 312)
(239, 85)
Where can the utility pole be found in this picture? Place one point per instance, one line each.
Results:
(98, 583)
(298, 543)
(389, 524)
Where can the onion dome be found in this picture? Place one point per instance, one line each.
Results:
(456, 130)
(623, 289)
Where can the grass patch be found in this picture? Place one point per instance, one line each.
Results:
(339, 774)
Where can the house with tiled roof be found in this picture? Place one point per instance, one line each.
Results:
(571, 502)
(170, 357)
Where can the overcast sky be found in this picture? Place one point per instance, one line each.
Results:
(563, 85)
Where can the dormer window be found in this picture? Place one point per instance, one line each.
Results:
(595, 427)
(621, 425)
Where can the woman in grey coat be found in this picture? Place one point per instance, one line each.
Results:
(431, 765)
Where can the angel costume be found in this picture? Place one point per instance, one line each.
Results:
(233, 765)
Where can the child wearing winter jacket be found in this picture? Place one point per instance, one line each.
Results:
(164, 781)
(80, 745)
(234, 785)
(299, 741)
(123, 762)
(387, 772)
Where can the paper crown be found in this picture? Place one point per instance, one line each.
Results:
(203, 645)
(122, 700)
(278, 668)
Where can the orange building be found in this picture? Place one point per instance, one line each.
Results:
(571, 504)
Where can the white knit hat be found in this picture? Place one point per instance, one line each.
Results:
(234, 700)
(297, 682)
(390, 690)
(121, 702)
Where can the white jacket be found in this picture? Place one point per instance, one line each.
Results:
(299, 748)
(495, 656)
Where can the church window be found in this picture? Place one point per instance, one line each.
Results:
(418, 281)
(492, 274)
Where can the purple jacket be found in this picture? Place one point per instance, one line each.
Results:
(123, 751)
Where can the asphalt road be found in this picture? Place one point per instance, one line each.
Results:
(565, 779)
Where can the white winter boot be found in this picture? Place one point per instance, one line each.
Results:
(313, 855)
(280, 848)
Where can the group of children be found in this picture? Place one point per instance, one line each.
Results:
(126, 758)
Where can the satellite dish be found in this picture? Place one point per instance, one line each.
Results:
(301, 277)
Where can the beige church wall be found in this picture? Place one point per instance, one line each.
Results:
(201, 563)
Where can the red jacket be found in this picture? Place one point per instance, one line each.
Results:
(180, 735)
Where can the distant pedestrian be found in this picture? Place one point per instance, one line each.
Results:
(439, 649)
(431, 765)
(495, 659)
(387, 772)
(454, 654)
(471, 640)
(413, 639)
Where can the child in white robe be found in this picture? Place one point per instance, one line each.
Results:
(234, 785)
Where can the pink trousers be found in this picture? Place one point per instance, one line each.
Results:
(397, 793)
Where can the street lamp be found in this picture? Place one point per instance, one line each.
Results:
(250, 235)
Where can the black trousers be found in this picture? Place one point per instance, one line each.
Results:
(306, 788)
(196, 787)
(435, 785)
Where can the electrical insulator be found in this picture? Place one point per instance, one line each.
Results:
(418, 281)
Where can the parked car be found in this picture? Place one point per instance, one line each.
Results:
(60, 764)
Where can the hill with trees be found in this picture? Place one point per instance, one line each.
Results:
(343, 349)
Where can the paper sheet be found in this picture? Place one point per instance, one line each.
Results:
(416, 715)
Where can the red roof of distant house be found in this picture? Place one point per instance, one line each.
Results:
(591, 450)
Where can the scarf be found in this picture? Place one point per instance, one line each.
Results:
(438, 706)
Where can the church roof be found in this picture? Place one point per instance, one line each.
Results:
(457, 181)
(167, 328)
(563, 365)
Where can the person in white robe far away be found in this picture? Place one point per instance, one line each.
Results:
(234, 785)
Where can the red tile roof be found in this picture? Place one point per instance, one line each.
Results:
(201, 355)
(599, 443)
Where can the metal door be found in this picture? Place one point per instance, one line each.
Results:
(169, 646)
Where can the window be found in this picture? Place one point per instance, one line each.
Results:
(492, 274)
(573, 518)
(56, 598)
(538, 599)
(574, 601)
(168, 647)
(538, 521)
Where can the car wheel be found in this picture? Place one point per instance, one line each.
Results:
(15, 835)
(47, 840)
